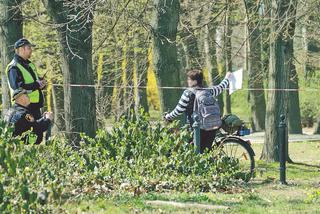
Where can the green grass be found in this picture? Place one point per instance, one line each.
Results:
(263, 194)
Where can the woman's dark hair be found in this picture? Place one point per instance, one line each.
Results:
(196, 75)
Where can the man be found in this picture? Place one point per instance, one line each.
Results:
(22, 73)
(186, 104)
(22, 119)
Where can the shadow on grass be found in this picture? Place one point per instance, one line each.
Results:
(305, 164)
(258, 183)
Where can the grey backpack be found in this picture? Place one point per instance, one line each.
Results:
(207, 107)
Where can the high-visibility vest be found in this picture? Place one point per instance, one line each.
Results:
(27, 77)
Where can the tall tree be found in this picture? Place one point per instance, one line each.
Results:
(164, 27)
(58, 104)
(281, 16)
(219, 39)
(256, 98)
(74, 24)
(294, 122)
(189, 20)
(10, 31)
(209, 43)
(140, 73)
(209, 48)
(227, 50)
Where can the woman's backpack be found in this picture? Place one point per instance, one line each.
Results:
(207, 107)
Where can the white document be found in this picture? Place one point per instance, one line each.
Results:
(235, 81)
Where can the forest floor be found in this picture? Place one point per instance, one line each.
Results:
(263, 194)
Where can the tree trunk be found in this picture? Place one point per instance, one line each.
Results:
(219, 37)
(210, 54)
(140, 75)
(123, 90)
(75, 32)
(10, 32)
(294, 123)
(190, 42)
(58, 107)
(191, 47)
(305, 50)
(306, 34)
(166, 18)
(112, 74)
(188, 35)
(265, 35)
(278, 78)
(254, 65)
(228, 49)
(183, 62)
(116, 79)
(103, 98)
(317, 127)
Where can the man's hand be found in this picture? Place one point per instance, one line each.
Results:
(48, 115)
(42, 83)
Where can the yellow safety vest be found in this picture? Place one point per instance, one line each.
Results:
(27, 77)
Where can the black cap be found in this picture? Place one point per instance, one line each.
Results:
(18, 92)
(22, 42)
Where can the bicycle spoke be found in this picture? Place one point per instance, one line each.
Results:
(237, 153)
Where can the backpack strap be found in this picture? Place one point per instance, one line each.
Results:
(192, 90)
(196, 102)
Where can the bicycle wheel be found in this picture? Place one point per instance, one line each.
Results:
(240, 153)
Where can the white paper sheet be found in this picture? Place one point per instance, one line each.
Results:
(235, 81)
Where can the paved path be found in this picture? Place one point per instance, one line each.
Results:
(187, 205)
(258, 137)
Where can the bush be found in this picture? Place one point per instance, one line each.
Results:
(309, 112)
(135, 157)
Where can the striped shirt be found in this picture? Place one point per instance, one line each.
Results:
(187, 99)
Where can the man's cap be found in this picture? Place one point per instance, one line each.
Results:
(22, 42)
(18, 92)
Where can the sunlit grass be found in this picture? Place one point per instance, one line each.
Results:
(264, 194)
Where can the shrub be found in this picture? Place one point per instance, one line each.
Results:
(309, 113)
(136, 157)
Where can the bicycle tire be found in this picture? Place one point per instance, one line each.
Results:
(249, 173)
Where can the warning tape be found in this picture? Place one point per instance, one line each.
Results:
(172, 87)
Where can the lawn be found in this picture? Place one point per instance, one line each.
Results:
(263, 194)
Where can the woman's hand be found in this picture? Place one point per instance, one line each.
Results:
(228, 75)
(165, 117)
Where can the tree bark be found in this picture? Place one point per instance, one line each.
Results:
(58, 107)
(256, 98)
(317, 126)
(75, 32)
(188, 35)
(10, 31)
(278, 78)
(164, 25)
(219, 37)
(294, 123)
(210, 54)
(228, 49)
(140, 74)
(305, 49)
(189, 38)
(265, 35)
